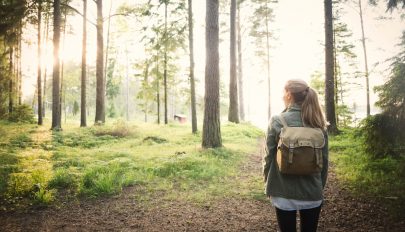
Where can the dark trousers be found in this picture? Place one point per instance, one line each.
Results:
(308, 219)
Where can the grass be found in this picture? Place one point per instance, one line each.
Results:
(36, 164)
(378, 178)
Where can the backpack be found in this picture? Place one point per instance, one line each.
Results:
(299, 150)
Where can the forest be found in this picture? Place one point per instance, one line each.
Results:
(152, 115)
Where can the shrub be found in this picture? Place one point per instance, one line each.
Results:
(119, 129)
(22, 113)
(21, 141)
(63, 179)
(381, 136)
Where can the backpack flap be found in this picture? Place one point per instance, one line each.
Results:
(302, 137)
(299, 145)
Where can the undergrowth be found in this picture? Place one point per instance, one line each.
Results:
(102, 160)
(381, 178)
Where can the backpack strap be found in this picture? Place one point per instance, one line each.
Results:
(283, 121)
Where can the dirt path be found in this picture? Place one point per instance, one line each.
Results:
(124, 212)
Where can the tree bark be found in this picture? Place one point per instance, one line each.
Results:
(100, 95)
(108, 43)
(329, 69)
(56, 114)
(62, 88)
(363, 41)
(45, 67)
(233, 114)
(240, 68)
(39, 81)
(192, 81)
(11, 83)
(165, 64)
(146, 83)
(212, 125)
(83, 119)
(268, 59)
(157, 81)
(19, 70)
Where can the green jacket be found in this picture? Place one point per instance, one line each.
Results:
(308, 187)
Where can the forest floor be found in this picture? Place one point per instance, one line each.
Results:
(126, 212)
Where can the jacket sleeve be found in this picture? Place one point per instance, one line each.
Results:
(325, 152)
(271, 145)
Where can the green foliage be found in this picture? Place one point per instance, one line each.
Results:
(105, 179)
(44, 197)
(380, 178)
(111, 110)
(22, 141)
(75, 108)
(119, 129)
(344, 115)
(64, 178)
(391, 93)
(385, 133)
(22, 113)
(94, 162)
(154, 139)
(381, 136)
(113, 82)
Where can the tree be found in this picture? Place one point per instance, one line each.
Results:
(384, 133)
(83, 119)
(163, 37)
(39, 82)
(192, 81)
(233, 114)
(366, 73)
(46, 38)
(329, 69)
(212, 125)
(263, 14)
(391, 4)
(345, 66)
(100, 95)
(165, 61)
(56, 113)
(240, 65)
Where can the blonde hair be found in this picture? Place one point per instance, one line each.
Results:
(307, 98)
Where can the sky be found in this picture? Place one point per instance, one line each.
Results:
(297, 52)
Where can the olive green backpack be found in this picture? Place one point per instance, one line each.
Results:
(300, 150)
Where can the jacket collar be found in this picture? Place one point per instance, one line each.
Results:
(294, 107)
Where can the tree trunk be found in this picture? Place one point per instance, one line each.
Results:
(363, 41)
(146, 83)
(329, 70)
(192, 81)
(165, 64)
(240, 69)
(100, 95)
(335, 73)
(268, 59)
(19, 70)
(45, 67)
(127, 82)
(108, 43)
(39, 81)
(56, 115)
(83, 119)
(212, 124)
(157, 81)
(233, 114)
(11, 84)
(62, 88)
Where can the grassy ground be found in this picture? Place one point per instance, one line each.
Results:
(382, 179)
(37, 165)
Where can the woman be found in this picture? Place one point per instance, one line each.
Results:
(290, 193)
